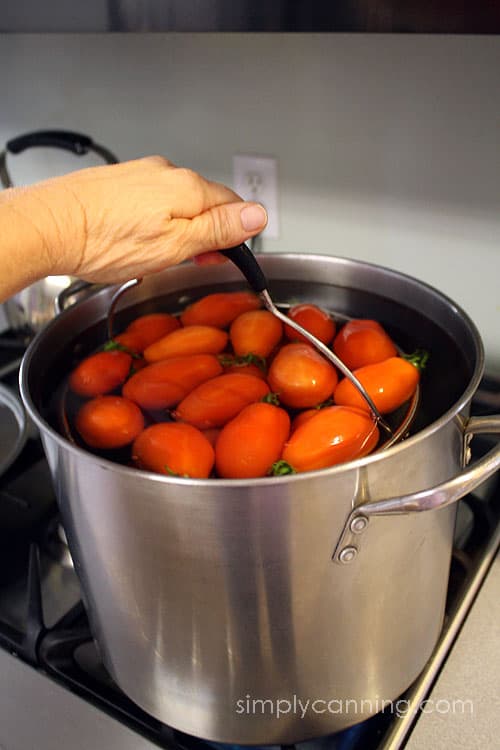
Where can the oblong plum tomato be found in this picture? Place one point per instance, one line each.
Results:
(190, 340)
(149, 328)
(219, 309)
(302, 418)
(100, 373)
(313, 319)
(108, 422)
(301, 377)
(250, 443)
(389, 384)
(334, 435)
(163, 384)
(132, 342)
(172, 448)
(216, 401)
(363, 342)
(255, 332)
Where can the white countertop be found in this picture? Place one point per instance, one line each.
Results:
(471, 674)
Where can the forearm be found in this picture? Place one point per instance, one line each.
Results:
(113, 223)
(31, 241)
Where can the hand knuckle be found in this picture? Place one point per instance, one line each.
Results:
(157, 160)
(194, 185)
(190, 178)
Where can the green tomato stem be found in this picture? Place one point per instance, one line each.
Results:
(418, 358)
(241, 361)
(114, 346)
(271, 398)
(281, 468)
(172, 473)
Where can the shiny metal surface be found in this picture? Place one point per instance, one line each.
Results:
(206, 595)
(68, 294)
(114, 301)
(13, 427)
(33, 307)
(433, 498)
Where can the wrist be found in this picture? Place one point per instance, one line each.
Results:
(22, 254)
(45, 228)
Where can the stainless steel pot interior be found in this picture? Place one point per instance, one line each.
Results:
(413, 313)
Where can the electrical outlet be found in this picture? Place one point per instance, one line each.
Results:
(255, 178)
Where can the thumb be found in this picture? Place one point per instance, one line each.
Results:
(225, 226)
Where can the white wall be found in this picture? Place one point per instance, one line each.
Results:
(388, 146)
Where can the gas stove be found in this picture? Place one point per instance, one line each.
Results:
(55, 691)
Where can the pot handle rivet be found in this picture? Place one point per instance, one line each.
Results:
(433, 498)
(347, 555)
(358, 524)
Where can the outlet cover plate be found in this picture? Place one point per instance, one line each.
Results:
(255, 178)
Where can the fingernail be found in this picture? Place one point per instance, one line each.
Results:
(253, 217)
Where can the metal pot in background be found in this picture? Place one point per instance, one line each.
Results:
(213, 600)
(33, 307)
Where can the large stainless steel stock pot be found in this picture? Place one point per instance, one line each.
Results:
(226, 608)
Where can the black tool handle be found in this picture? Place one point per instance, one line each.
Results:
(245, 260)
(76, 142)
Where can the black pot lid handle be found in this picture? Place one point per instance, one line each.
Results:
(78, 143)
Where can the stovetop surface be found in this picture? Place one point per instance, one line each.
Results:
(43, 622)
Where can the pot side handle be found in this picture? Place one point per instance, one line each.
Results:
(434, 498)
(75, 289)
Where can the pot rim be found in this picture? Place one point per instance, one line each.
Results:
(258, 482)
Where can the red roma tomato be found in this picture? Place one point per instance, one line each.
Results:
(163, 384)
(220, 309)
(215, 402)
(251, 442)
(334, 435)
(100, 373)
(303, 417)
(131, 341)
(363, 342)
(313, 319)
(192, 340)
(255, 332)
(174, 449)
(389, 384)
(150, 328)
(109, 422)
(301, 377)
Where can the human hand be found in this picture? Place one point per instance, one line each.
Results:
(113, 223)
